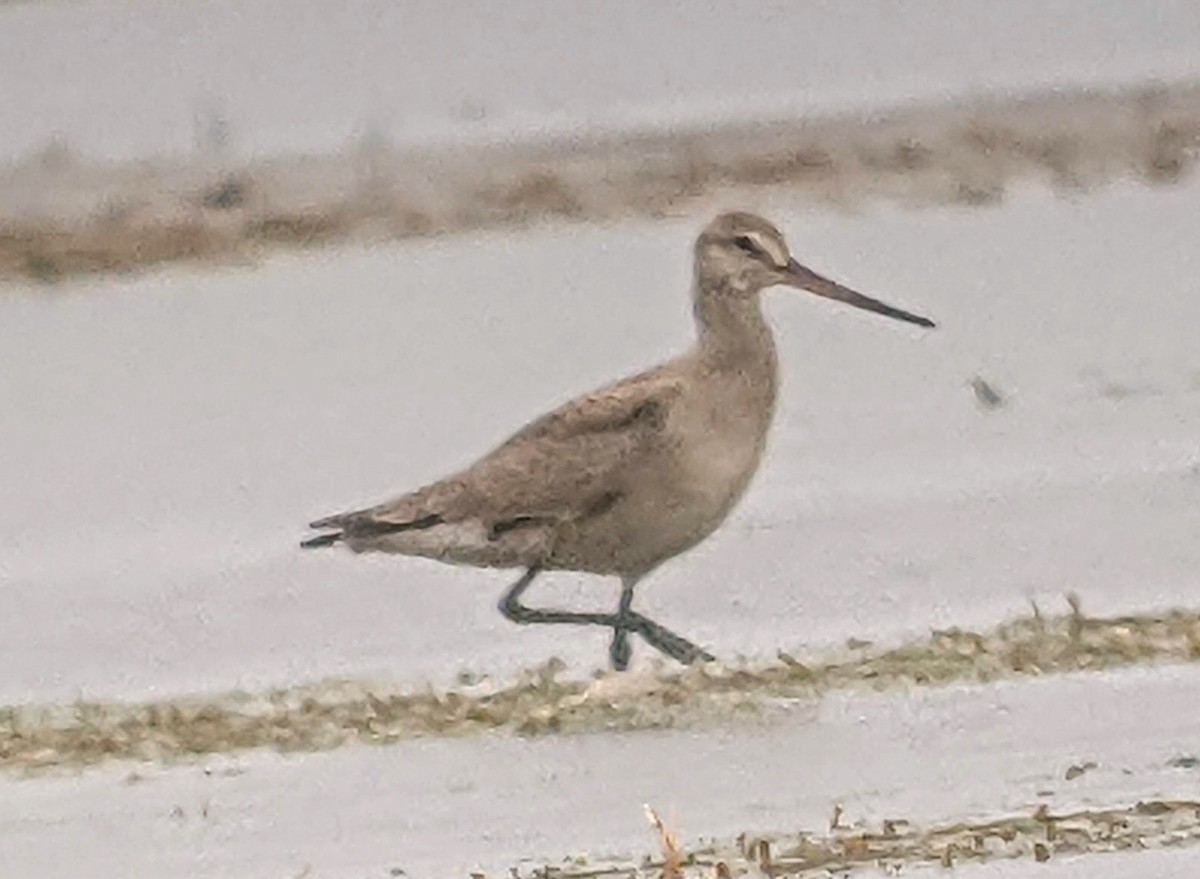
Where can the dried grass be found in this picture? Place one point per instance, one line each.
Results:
(967, 153)
(329, 714)
(49, 254)
(898, 844)
(668, 844)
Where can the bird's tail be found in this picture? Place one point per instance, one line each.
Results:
(321, 540)
(363, 525)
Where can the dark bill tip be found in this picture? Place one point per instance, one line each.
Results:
(806, 279)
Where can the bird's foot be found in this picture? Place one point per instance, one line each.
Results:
(620, 651)
(660, 638)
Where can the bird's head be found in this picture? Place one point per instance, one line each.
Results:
(742, 254)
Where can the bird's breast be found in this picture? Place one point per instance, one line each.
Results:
(721, 455)
(695, 471)
(721, 437)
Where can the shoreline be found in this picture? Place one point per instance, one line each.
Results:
(330, 714)
(67, 217)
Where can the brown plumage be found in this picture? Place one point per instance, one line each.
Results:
(619, 480)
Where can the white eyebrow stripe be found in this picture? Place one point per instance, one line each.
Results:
(769, 248)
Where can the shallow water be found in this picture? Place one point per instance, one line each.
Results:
(168, 436)
(444, 807)
(227, 79)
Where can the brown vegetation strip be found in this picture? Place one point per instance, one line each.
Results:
(896, 844)
(61, 216)
(332, 713)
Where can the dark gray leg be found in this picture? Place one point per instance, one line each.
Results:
(667, 642)
(511, 607)
(622, 622)
(659, 637)
(619, 651)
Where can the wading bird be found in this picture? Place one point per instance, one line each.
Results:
(619, 480)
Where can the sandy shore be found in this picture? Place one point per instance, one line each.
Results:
(62, 216)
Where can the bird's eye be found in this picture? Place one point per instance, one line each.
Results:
(747, 245)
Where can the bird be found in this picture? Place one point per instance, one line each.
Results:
(617, 481)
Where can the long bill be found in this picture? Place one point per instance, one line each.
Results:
(796, 275)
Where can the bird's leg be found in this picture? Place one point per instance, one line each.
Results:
(620, 651)
(657, 636)
(665, 641)
(511, 607)
(622, 622)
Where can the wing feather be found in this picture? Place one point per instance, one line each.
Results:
(556, 468)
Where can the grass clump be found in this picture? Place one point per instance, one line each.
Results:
(543, 701)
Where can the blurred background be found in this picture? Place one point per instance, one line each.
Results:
(264, 261)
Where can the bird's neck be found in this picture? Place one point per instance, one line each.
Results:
(733, 334)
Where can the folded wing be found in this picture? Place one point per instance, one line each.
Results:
(503, 510)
